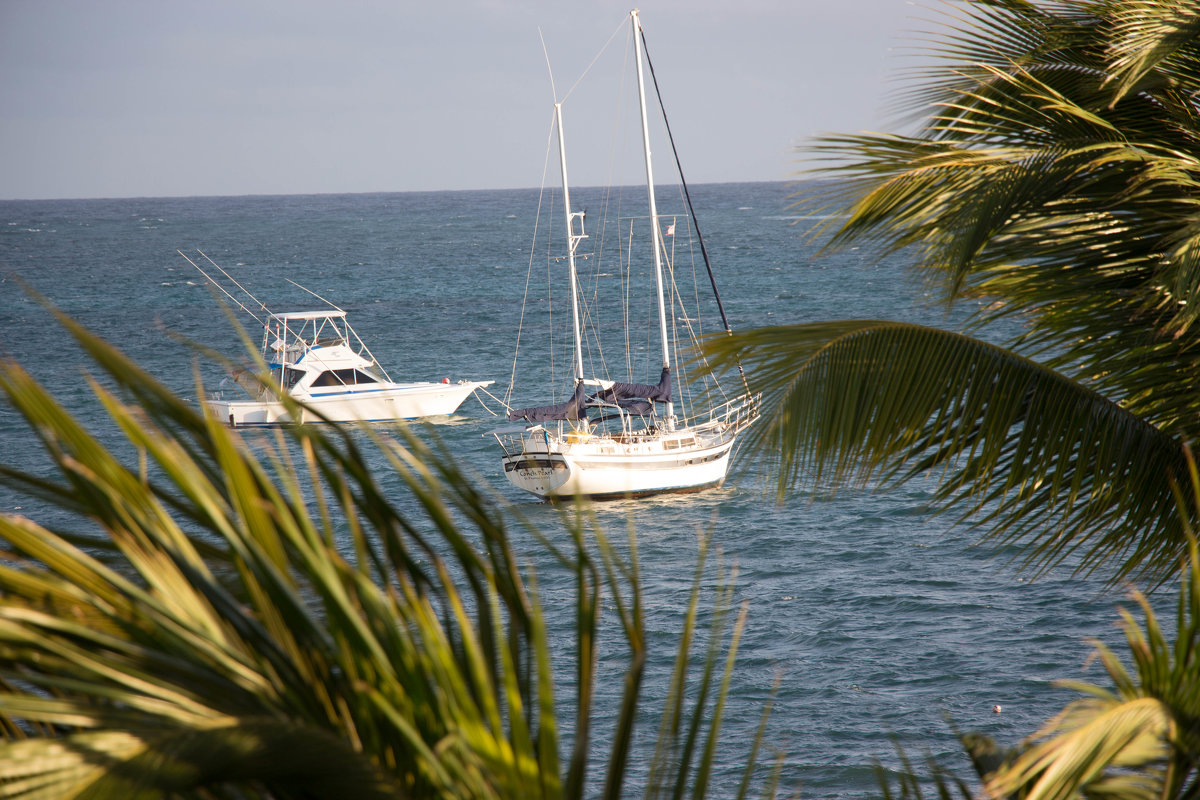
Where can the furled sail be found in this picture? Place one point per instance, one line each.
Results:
(575, 408)
(621, 393)
(636, 398)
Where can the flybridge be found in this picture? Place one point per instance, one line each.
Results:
(287, 342)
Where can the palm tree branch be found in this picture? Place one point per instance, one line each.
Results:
(1012, 445)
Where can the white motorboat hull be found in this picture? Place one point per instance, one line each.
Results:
(399, 402)
(603, 467)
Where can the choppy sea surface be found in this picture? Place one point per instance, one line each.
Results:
(881, 622)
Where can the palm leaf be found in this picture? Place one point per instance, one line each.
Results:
(116, 763)
(224, 621)
(1151, 36)
(1054, 183)
(1012, 444)
(1056, 177)
(1118, 735)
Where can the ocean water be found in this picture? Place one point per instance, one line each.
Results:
(880, 621)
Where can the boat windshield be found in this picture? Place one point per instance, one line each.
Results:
(288, 377)
(344, 377)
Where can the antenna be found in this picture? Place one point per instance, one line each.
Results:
(549, 69)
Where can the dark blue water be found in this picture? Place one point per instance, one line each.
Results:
(879, 620)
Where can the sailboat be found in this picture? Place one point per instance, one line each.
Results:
(623, 439)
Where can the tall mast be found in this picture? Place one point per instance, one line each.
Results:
(573, 241)
(655, 234)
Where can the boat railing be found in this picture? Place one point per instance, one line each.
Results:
(516, 439)
(614, 411)
(727, 419)
(733, 415)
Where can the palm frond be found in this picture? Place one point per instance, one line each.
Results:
(231, 620)
(1054, 181)
(113, 762)
(1016, 446)
(1056, 177)
(1138, 740)
(1120, 735)
(1152, 36)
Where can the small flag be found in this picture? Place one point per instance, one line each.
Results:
(670, 230)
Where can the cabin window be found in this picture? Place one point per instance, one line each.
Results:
(343, 377)
(329, 378)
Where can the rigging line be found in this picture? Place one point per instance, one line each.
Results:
(537, 221)
(233, 280)
(688, 196)
(478, 390)
(626, 266)
(616, 32)
(314, 294)
(694, 327)
(222, 289)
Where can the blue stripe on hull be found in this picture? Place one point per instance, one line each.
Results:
(286, 423)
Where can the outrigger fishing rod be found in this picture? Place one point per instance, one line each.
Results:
(261, 305)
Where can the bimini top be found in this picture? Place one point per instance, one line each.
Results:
(335, 314)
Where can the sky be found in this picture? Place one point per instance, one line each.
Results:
(168, 98)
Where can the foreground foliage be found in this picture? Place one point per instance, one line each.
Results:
(214, 623)
(225, 629)
(1055, 182)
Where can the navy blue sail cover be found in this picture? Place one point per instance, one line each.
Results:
(575, 408)
(618, 393)
(632, 397)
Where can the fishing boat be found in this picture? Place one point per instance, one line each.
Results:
(319, 361)
(620, 438)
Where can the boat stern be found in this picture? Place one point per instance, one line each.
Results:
(249, 413)
(531, 461)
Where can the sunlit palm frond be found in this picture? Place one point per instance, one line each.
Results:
(235, 620)
(1127, 735)
(1154, 36)
(1138, 740)
(979, 37)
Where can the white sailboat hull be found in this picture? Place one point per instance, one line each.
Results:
(376, 404)
(603, 467)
